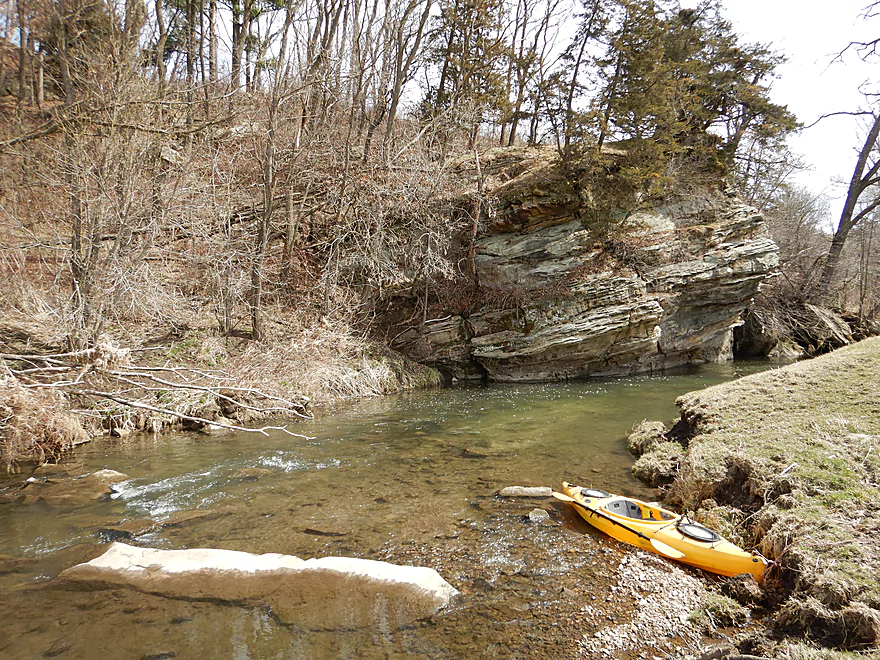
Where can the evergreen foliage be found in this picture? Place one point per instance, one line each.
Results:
(675, 91)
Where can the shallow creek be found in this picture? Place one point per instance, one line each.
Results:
(408, 479)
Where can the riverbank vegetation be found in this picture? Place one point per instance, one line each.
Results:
(56, 399)
(785, 461)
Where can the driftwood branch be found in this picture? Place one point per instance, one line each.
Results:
(106, 372)
(191, 418)
(289, 406)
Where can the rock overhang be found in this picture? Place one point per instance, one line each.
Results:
(689, 267)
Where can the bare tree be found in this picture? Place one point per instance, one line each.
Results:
(406, 46)
(861, 200)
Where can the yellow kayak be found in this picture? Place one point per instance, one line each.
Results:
(664, 532)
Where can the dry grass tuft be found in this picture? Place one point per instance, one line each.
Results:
(659, 465)
(35, 424)
(719, 611)
(326, 363)
(805, 651)
(645, 436)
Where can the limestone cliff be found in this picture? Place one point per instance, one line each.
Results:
(665, 288)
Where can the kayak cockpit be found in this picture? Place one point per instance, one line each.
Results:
(634, 510)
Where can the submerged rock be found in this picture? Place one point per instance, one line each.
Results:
(251, 474)
(9, 564)
(128, 529)
(77, 490)
(329, 593)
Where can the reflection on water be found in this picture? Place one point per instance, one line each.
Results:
(407, 478)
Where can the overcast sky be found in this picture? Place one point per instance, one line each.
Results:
(811, 33)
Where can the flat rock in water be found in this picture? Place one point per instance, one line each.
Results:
(329, 593)
(128, 529)
(320, 532)
(526, 491)
(251, 474)
(66, 469)
(9, 564)
(191, 517)
(221, 428)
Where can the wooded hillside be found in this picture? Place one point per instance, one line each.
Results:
(266, 172)
(238, 156)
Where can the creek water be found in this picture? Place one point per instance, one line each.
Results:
(408, 479)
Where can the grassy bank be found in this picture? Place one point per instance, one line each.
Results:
(788, 461)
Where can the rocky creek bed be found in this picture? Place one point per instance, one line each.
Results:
(554, 589)
(419, 487)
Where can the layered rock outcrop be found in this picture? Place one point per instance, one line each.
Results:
(665, 288)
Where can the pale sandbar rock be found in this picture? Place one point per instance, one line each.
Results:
(526, 491)
(539, 516)
(319, 594)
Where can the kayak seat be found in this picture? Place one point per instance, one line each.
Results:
(626, 508)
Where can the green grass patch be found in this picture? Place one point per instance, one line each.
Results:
(798, 450)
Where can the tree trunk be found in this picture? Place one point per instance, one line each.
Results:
(238, 32)
(475, 225)
(190, 68)
(22, 54)
(848, 217)
(572, 86)
(212, 43)
(403, 66)
(39, 86)
(160, 48)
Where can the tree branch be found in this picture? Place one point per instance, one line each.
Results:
(842, 113)
(165, 411)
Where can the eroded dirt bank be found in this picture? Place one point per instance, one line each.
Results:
(787, 461)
